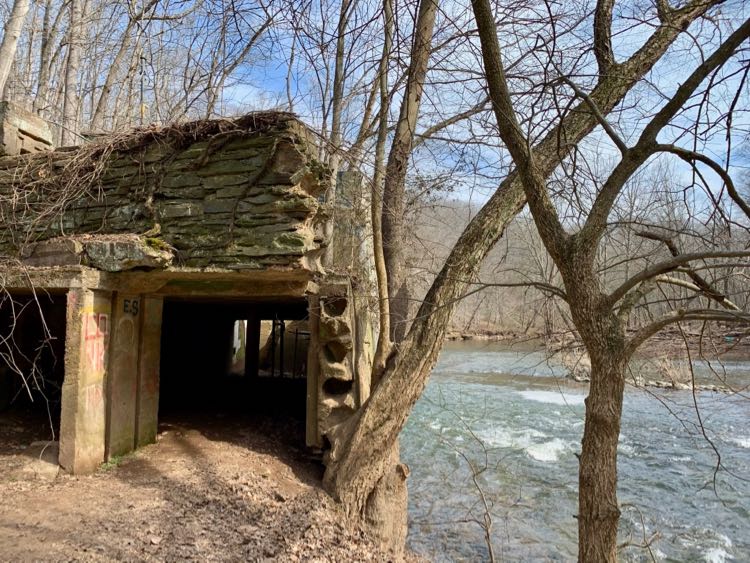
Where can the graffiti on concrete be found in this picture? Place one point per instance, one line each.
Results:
(95, 335)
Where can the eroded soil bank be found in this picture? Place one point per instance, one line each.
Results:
(212, 488)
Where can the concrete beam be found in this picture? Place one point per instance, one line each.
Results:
(18, 278)
(83, 417)
(174, 282)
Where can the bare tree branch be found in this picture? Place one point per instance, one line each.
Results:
(668, 266)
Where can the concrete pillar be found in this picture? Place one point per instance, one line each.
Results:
(83, 416)
(122, 379)
(147, 403)
(252, 346)
(312, 433)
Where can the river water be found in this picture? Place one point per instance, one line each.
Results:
(507, 414)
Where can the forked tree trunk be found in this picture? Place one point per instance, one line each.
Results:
(394, 190)
(363, 472)
(363, 468)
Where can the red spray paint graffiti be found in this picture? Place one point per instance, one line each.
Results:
(95, 335)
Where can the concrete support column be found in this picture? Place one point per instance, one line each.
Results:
(122, 379)
(133, 379)
(84, 413)
(252, 346)
(147, 405)
(312, 432)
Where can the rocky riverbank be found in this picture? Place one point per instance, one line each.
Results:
(662, 362)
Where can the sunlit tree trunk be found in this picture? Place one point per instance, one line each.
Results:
(49, 28)
(384, 330)
(69, 134)
(11, 34)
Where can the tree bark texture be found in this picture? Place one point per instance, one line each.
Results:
(49, 29)
(603, 334)
(376, 203)
(97, 119)
(598, 511)
(362, 448)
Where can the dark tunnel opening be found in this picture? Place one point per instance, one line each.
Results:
(244, 359)
(32, 365)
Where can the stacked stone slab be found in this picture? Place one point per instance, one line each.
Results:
(239, 194)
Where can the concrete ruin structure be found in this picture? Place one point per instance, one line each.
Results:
(133, 258)
(22, 132)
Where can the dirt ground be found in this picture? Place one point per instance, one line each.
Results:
(212, 488)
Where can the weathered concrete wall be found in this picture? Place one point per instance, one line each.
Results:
(351, 247)
(83, 416)
(237, 194)
(313, 436)
(22, 132)
(110, 393)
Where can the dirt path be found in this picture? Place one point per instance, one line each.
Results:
(213, 489)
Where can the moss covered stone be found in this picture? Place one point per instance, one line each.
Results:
(243, 195)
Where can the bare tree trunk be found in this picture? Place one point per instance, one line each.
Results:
(10, 39)
(70, 101)
(598, 511)
(97, 119)
(49, 31)
(113, 74)
(339, 83)
(334, 148)
(384, 333)
(603, 334)
(28, 56)
(395, 171)
(362, 465)
(40, 98)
